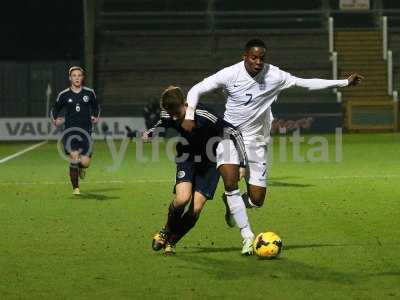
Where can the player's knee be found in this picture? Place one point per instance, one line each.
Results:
(258, 199)
(230, 176)
(197, 210)
(85, 162)
(74, 159)
(230, 184)
(182, 198)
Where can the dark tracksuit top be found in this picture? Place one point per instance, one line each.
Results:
(79, 108)
(208, 125)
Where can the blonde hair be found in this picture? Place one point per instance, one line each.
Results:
(74, 68)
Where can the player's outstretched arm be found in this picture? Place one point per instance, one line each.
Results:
(355, 79)
(165, 121)
(320, 84)
(147, 135)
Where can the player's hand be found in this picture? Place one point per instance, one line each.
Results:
(242, 173)
(59, 121)
(188, 125)
(94, 119)
(355, 79)
(145, 137)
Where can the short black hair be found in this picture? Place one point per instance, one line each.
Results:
(255, 43)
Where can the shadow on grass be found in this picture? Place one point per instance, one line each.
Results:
(234, 268)
(293, 247)
(105, 190)
(237, 249)
(277, 178)
(229, 266)
(287, 184)
(384, 274)
(212, 249)
(279, 182)
(226, 263)
(93, 196)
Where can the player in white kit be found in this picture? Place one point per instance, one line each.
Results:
(250, 87)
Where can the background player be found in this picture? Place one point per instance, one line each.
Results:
(81, 111)
(251, 86)
(196, 173)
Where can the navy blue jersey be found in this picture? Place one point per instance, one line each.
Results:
(209, 127)
(79, 108)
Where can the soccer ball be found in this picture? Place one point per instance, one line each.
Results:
(267, 245)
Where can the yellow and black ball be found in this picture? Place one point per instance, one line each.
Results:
(267, 245)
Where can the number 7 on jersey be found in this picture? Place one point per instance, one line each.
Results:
(250, 98)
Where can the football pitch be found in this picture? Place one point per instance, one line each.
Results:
(339, 221)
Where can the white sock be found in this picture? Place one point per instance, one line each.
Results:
(238, 211)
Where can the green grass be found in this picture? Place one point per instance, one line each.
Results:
(340, 225)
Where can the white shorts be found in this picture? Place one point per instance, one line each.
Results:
(257, 170)
(257, 160)
(227, 153)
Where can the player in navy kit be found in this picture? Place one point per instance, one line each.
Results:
(81, 111)
(197, 174)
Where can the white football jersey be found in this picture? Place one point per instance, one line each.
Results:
(249, 99)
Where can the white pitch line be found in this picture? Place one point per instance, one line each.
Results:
(357, 177)
(5, 159)
(172, 180)
(90, 182)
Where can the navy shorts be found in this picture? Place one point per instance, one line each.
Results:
(80, 141)
(204, 178)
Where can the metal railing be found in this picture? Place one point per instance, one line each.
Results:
(334, 56)
(217, 19)
(129, 19)
(384, 37)
(240, 13)
(331, 34)
(388, 56)
(209, 20)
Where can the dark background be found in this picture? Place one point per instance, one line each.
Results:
(46, 30)
(41, 30)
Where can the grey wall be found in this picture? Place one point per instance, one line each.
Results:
(23, 86)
